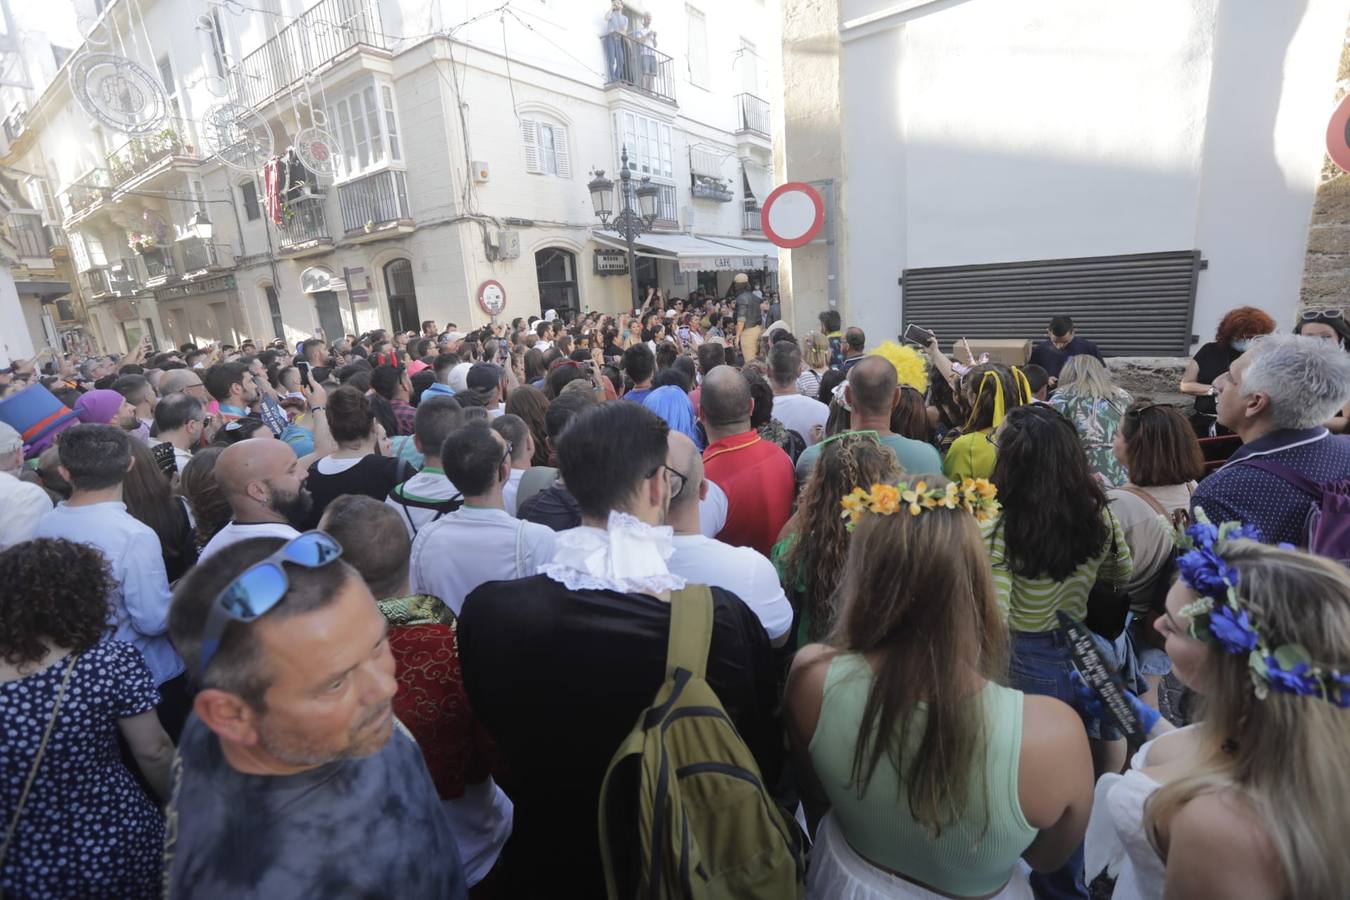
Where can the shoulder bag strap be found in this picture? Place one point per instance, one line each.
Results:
(691, 628)
(1146, 497)
(37, 759)
(520, 549)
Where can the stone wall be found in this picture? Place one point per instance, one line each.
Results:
(1154, 377)
(1326, 265)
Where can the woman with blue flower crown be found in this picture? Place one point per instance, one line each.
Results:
(1252, 801)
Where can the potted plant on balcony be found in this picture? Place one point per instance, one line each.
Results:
(118, 169)
(143, 244)
(169, 141)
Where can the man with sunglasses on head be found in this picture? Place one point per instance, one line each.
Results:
(558, 666)
(292, 778)
(480, 541)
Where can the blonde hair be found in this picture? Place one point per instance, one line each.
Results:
(1087, 376)
(817, 350)
(1289, 762)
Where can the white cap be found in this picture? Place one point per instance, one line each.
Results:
(459, 377)
(454, 336)
(550, 315)
(10, 440)
(670, 314)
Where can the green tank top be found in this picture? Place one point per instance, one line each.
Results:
(967, 859)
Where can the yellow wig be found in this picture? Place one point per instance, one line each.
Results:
(910, 365)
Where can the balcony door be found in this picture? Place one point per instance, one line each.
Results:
(402, 293)
(556, 270)
(330, 315)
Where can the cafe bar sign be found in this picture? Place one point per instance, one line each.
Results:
(611, 262)
(727, 263)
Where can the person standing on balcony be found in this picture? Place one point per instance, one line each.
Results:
(616, 55)
(645, 36)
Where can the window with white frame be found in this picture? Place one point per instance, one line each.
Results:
(366, 126)
(698, 46)
(649, 143)
(546, 151)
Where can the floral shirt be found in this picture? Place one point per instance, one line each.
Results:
(1096, 421)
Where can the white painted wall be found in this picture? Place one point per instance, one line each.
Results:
(979, 132)
(15, 342)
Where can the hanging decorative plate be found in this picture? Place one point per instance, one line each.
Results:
(118, 92)
(238, 136)
(318, 151)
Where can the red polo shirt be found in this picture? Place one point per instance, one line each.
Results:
(758, 479)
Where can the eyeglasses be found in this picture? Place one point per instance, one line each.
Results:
(683, 478)
(1138, 411)
(261, 587)
(510, 448)
(1309, 314)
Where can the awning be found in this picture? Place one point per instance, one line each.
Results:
(42, 288)
(699, 253)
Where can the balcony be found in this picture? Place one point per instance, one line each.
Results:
(751, 222)
(95, 283)
(304, 227)
(320, 35)
(635, 65)
(159, 267)
(375, 203)
(124, 277)
(752, 115)
(707, 187)
(667, 213)
(200, 256)
(14, 122)
(85, 195)
(156, 152)
(29, 235)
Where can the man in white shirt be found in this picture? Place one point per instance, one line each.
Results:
(180, 420)
(480, 541)
(429, 494)
(703, 560)
(21, 504)
(800, 413)
(517, 434)
(264, 485)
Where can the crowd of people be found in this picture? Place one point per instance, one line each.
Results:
(377, 616)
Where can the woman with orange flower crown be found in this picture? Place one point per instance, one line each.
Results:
(927, 777)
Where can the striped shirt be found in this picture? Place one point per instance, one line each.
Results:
(1031, 603)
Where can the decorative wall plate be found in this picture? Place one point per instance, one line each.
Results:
(118, 93)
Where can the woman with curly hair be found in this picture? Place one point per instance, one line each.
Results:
(810, 551)
(1233, 338)
(77, 823)
(1243, 804)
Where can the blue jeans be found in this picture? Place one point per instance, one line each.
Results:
(616, 56)
(1040, 665)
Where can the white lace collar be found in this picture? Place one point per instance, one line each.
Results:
(628, 556)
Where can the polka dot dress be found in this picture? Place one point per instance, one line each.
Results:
(87, 830)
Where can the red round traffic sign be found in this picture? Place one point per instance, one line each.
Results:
(793, 215)
(492, 297)
(1338, 135)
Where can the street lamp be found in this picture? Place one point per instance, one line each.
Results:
(201, 225)
(638, 200)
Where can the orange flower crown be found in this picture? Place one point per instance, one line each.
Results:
(974, 495)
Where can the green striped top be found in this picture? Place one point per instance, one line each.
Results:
(1031, 603)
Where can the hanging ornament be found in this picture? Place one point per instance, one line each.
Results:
(119, 93)
(318, 151)
(238, 136)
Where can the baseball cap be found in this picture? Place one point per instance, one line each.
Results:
(453, 336)
(459, 377)
(483, 377)
(10, 440)
(741, 278)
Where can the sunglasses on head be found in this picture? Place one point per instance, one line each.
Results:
(1309, 314)
(260, 587)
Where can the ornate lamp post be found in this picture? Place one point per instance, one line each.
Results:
(638, 199)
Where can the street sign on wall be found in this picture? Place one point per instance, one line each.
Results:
(492, 297)
(793, 215)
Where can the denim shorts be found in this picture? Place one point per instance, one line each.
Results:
(1041, 663)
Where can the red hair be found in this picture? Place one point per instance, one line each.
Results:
(1243, 322)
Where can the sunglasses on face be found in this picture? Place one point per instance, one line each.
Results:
(260, 587)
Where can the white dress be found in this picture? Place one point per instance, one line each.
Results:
(1116, 840)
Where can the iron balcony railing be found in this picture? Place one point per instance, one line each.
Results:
(143, 153)
(752, 115)
(124, 277)
(28, 233)
(632, 63)
(199, 255)
(304, 222)
(95, 281)
(87, 191)
(667, 213)
(752, 222)
(374, 200)
(159, 265)
(319, 35)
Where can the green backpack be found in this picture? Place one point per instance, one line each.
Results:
(706, 827)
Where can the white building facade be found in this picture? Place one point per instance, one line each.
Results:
(1145, 167)
(462, 142)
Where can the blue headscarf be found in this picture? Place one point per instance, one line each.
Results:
(674, 405)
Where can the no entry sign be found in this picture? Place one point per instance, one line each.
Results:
(793, 215)
(1338, 135)
(492, 297)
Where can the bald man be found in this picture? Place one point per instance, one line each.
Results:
(704, 560)
(184, 381)
(872, 392)
(755, 474)
(264, 484)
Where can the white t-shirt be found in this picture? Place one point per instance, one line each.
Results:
(712, 511)
(800, 413)
(510, 488)
(22, 504)
(235, 532)
(745, 572)
(473, 546)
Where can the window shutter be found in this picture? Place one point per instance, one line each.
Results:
(527, 134)
(560, 152)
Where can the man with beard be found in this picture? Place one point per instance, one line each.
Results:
(107, 408)
(292, 778)
(264, 484)
(233, 388)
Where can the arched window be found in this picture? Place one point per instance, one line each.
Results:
(399, 287)
(556, 270)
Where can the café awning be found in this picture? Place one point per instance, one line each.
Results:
(701, 253)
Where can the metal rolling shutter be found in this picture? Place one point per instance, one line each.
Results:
(1135, 305)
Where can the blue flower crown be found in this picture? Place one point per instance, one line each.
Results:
(1219, 617)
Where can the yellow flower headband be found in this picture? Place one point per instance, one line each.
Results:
(974, 495)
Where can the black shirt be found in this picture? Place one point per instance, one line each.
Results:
(1052, 359)
(373, 475)
(554, 506)
(558, 677)
(1213, 360)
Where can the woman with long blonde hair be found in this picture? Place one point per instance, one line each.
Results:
(937, 779)
(1091, 401)
(1252, 802)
